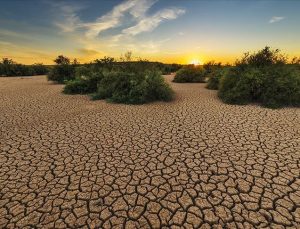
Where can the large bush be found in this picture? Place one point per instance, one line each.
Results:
(262, 77)
(133, 88)
(190, 74)
(63, 71)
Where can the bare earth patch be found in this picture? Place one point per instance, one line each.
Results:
(66, 161)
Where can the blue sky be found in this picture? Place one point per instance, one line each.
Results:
(164, 30)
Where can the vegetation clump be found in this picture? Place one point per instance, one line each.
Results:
(63, 71)
(85, 81)
(214, 79)
(129, 82)
(133, 88)
(211, 67)
(10, 68)
(263, 77)
(214, 72)
(190, 74)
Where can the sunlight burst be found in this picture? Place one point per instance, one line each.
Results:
(195, 62)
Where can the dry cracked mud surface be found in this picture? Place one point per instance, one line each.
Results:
(68, 162)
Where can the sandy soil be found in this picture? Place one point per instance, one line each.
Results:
(66, 161)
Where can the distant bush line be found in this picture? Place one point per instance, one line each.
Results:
(10, 68)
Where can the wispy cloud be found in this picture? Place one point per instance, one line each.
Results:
(5, 43)
(148, 47)
(128, 19)
(151, 22)
(276, 19)
(68, 19)
(71, 21)
(88, 52)
(136, 8)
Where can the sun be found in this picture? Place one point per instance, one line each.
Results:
(195, 62)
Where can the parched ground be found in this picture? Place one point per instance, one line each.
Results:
(66, 161)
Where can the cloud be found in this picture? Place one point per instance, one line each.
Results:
(276, 19)
(70, 23)
(136, 8)
(88, 52)
(13, 34)
(128, 19)
(5, 43)
(69, 20)
(151, 22)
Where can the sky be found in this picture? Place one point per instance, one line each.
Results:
(170, 31)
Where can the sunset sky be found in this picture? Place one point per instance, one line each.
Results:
(169, 31)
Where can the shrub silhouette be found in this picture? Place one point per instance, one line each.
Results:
(262, 77)
(190, 74)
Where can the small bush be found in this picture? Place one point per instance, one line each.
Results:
(133, 88)
(63, 71)
(262, 77)
(76, 86)
(157, 88)
(190, 74)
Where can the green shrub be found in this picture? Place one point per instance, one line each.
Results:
(63, 71)
(76, 86)
(190, 74)
(133, 88)
(262, 77)
(83, 72)
(213, 81)
(85, 82)
(238, 87)
(281, 87)
(262, 58)
(157, 88)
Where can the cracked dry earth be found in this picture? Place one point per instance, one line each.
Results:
(68, 162)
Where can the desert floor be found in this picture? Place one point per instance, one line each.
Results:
(66, 161)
